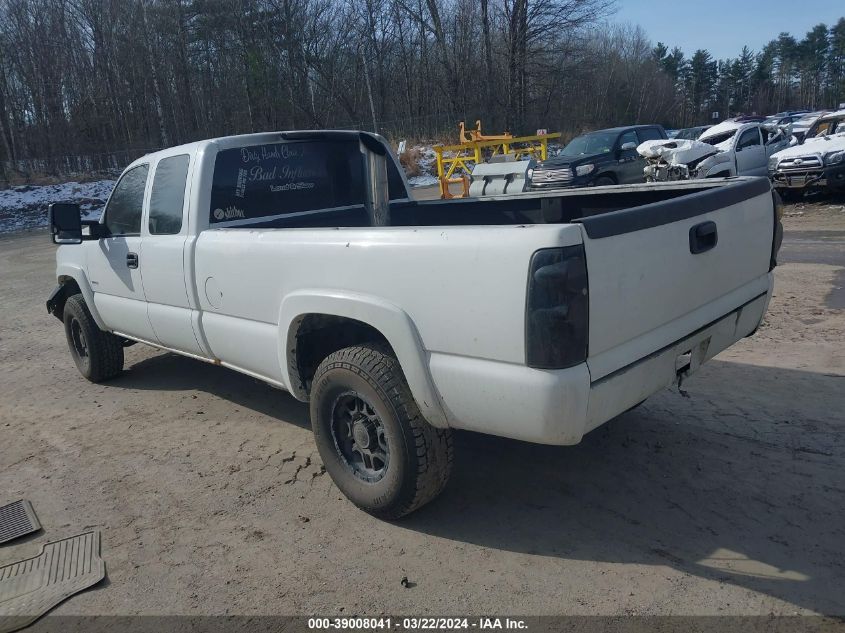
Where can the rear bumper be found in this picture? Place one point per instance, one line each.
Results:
(560, 406)
(620, 390)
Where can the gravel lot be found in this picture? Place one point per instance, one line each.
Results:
(211, 497)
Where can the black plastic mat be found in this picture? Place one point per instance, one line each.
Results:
(17, 519)
(31, 587)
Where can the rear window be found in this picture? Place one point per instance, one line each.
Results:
(260, 182)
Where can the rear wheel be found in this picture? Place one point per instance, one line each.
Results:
(98, 355)
(372, 439)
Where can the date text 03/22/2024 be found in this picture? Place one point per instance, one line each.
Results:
(411, 624)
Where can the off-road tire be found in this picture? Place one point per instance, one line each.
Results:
(103, 352)
(420, 455)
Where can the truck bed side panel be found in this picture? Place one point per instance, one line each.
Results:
(463, 287)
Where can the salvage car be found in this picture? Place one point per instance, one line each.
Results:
(603, 157)
(817, 163)
(300, 258)
(731, 148)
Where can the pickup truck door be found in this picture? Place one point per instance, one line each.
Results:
(164, 236)
(629, 163)
(113, 262)
(750, 154)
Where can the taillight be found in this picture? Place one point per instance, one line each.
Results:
(777, 231)
(557, 308)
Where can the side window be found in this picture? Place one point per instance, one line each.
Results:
(649, 134)
(123, 213)
(628, 137)
(749, 138)
(168, 195)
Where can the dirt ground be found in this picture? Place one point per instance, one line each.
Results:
(210, 495)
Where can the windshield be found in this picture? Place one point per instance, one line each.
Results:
(689, 134)
(595, 143)
(718, 139)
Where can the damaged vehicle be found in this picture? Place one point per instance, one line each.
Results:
(817, 163)
(731, 148)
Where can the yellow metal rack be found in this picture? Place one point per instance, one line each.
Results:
(455, 162)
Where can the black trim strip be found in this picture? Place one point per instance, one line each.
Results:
(674, 209)
(658, 352)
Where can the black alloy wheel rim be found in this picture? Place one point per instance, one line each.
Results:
(77, 339)
(359, 437)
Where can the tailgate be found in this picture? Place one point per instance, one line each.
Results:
(661, 271)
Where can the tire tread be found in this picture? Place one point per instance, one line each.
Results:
(375, 363)
(104, 348)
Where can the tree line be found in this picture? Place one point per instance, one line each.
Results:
(90, 84)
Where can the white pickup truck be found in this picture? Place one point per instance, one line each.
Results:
(300, 258)
(731, 148)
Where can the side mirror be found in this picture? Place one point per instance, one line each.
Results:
(628, 146)
(65, 223)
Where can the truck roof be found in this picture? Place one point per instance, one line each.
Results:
(236, 140)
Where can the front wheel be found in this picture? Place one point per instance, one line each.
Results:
(372, 439)
(98, 355)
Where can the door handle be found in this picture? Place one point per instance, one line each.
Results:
(703, 237)
(132, 260)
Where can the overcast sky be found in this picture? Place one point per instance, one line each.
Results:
(724, 26)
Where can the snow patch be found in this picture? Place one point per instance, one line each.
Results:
(25, 207)
(422, 181)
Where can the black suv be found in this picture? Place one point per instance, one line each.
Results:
(604, 157)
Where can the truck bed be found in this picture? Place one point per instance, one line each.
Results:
(463, 284)
(663, 200)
